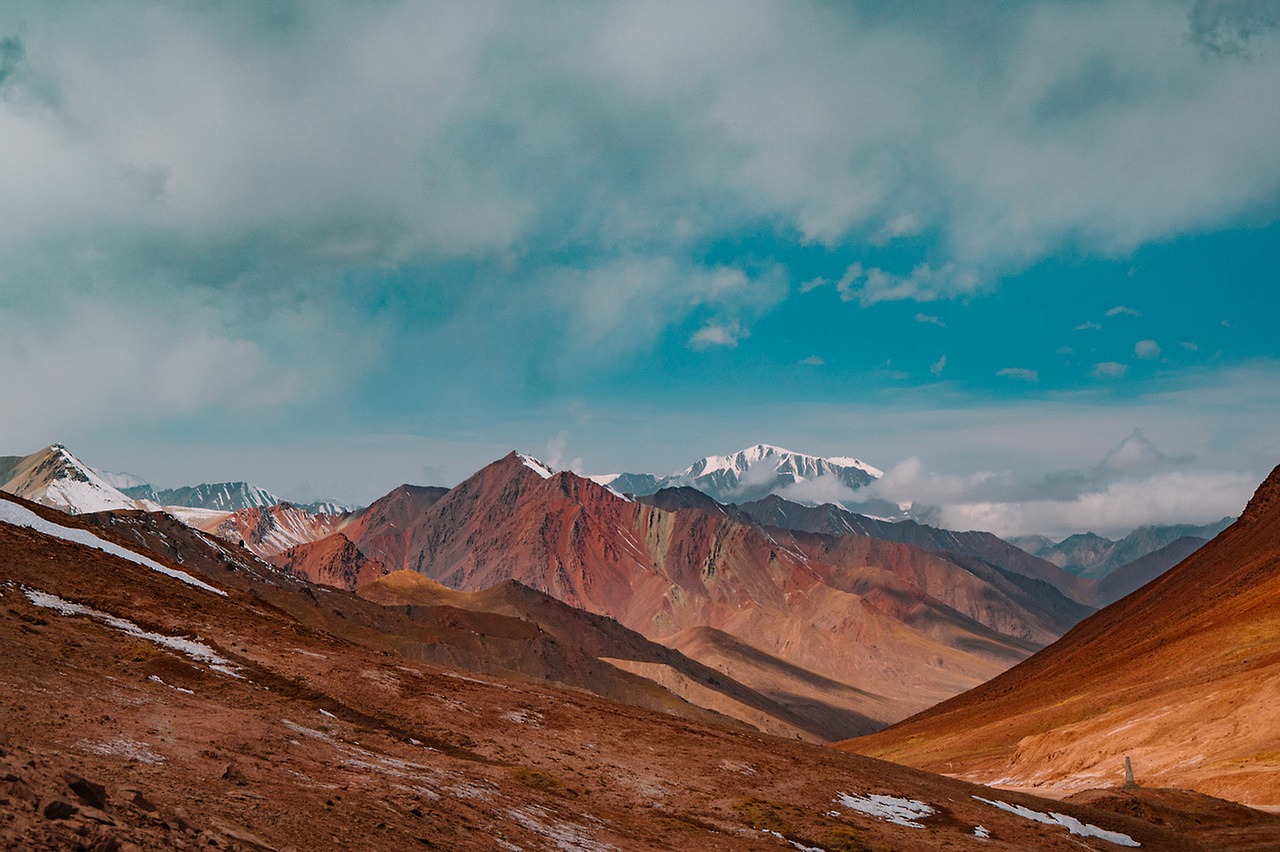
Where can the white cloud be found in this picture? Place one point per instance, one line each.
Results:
(923, 284)
(1193, 498)
(813, 361)
(929, 318)
(1134, 484)
(939, 365)
(718, 334)
(1109, 370)
(1121, 310)
(1020, 373)
(1088, 326)
(1146, 349)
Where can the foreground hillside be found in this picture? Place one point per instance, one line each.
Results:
(143, 704)
(1183, 676)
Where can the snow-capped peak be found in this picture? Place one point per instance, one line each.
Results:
(784, 460)
(55, 477)
(536, 466)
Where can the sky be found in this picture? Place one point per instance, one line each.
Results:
(1020, 255)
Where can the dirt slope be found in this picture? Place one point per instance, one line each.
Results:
(1183, 676)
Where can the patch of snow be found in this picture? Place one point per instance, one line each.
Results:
(324, 712)
(128, 749)
(532, 718)
(604, 479)
(192, 648)
(156, 679)
(568, 836)
(894, 809)
(535, 466)
(1070, 823)
(19, 516)
(793, 843)
(981, 833)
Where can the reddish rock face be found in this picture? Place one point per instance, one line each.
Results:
(1183, 676)
(331, 561)
(906, 627)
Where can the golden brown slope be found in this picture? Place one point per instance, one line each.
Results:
(1183, 676)
(306, 739)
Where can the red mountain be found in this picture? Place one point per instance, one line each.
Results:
(1182, 676)
(898, 627)
(331, 561)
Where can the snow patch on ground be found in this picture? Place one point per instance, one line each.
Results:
(128, 749)
(192, 648)
(157, 679)
(793, 843)
(12, 513)
(565, 835)
(894, 809)
(981, 833)
(1070, 823)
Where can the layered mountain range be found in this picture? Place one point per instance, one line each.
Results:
(204, 699)
(701, 620)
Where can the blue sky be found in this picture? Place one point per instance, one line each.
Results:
(331, 247)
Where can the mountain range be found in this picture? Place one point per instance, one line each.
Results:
(204, 699)
(550, 663)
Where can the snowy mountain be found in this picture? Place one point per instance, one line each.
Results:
(756, 472)
(227, 497)
(54, 477)
(222, 496)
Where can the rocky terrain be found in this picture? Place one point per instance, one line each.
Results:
(150, 703)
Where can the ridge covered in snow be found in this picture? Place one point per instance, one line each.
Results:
(54, 477)
(757, 471)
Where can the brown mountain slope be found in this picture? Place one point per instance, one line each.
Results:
(1182, 675)
(903, 627)
(384, 529)
(182, 717)
(605, 639)
(488, 642)
(331, 561)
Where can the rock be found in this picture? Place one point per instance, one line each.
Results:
(59, 809)
(89, 793)
(96, 815)
(139, 800)
(234, 775)
(182, 819)
(245, 838)
(107, 844)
